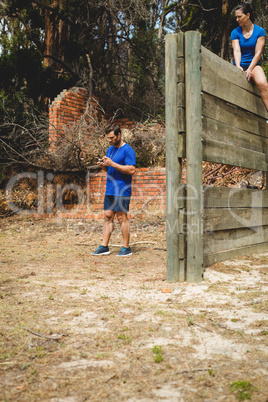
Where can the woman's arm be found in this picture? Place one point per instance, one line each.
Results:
(258, 51)
(237, 53)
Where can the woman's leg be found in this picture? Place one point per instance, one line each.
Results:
(261, 82)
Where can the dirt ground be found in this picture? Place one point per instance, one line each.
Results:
(113, 329)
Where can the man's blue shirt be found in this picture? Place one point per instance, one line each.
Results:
(119, 184)
(247, 46)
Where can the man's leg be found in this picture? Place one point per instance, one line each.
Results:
(108, 226)
(125, 227)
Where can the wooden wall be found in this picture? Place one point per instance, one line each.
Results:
(219, 117)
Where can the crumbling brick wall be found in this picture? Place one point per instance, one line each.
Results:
(148, 183)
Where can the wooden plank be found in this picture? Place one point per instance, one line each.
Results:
(215, 151)
(224, 112)
(181, 48)
(180, 191)
(234, 88)
(181, 68)
(234, 218)
(193, 156)
(175, 266)
(232, 197)
(210, 259)
(218, 131)
(181, 120)
(228, 72)
(232, 93)
(235, 238)
(181, 96)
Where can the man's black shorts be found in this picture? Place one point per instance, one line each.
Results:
(117, 204)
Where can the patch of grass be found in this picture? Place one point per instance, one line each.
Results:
(161, 312)
(251, 295)
(39, 352)
(157, 350)
(242, 389)
(144, 287)
(25, 366)
(125, 329)
(210, 372)
(4, 356)
(261, 307)
(84, 291)
(221, 287)
(125, 338)
(190, 321)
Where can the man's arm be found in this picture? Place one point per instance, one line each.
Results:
(126, 169)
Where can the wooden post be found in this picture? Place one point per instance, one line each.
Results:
(194, 156)
(174, 188)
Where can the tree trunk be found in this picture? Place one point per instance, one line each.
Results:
(225, 31)
(56, 34)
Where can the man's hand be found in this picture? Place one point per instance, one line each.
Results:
(126, 169)
(102, 164)
(107, 161)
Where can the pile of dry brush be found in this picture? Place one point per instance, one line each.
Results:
(77, 149)
(72, 153)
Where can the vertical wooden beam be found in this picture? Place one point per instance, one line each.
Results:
(194, 156)
(175, 242)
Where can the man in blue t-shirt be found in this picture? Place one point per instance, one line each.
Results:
(120, 165)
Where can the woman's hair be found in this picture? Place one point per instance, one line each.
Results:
(246, 8)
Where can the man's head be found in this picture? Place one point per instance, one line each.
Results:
(114, 135)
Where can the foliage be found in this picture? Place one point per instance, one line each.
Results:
(158, 356)
(76, 147)
(243, 389)
(113, 48)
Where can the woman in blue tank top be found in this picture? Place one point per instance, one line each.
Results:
(248, 42)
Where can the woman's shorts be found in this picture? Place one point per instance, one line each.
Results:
(246, 67)
(117, 204)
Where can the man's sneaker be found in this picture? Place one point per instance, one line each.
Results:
(124, 252)
(101, 250)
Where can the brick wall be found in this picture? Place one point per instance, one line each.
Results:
(69, 107)
(148, 189)
(148, 196)
(148, 183)
(66, 110)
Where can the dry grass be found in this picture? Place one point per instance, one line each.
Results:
(114, 317)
